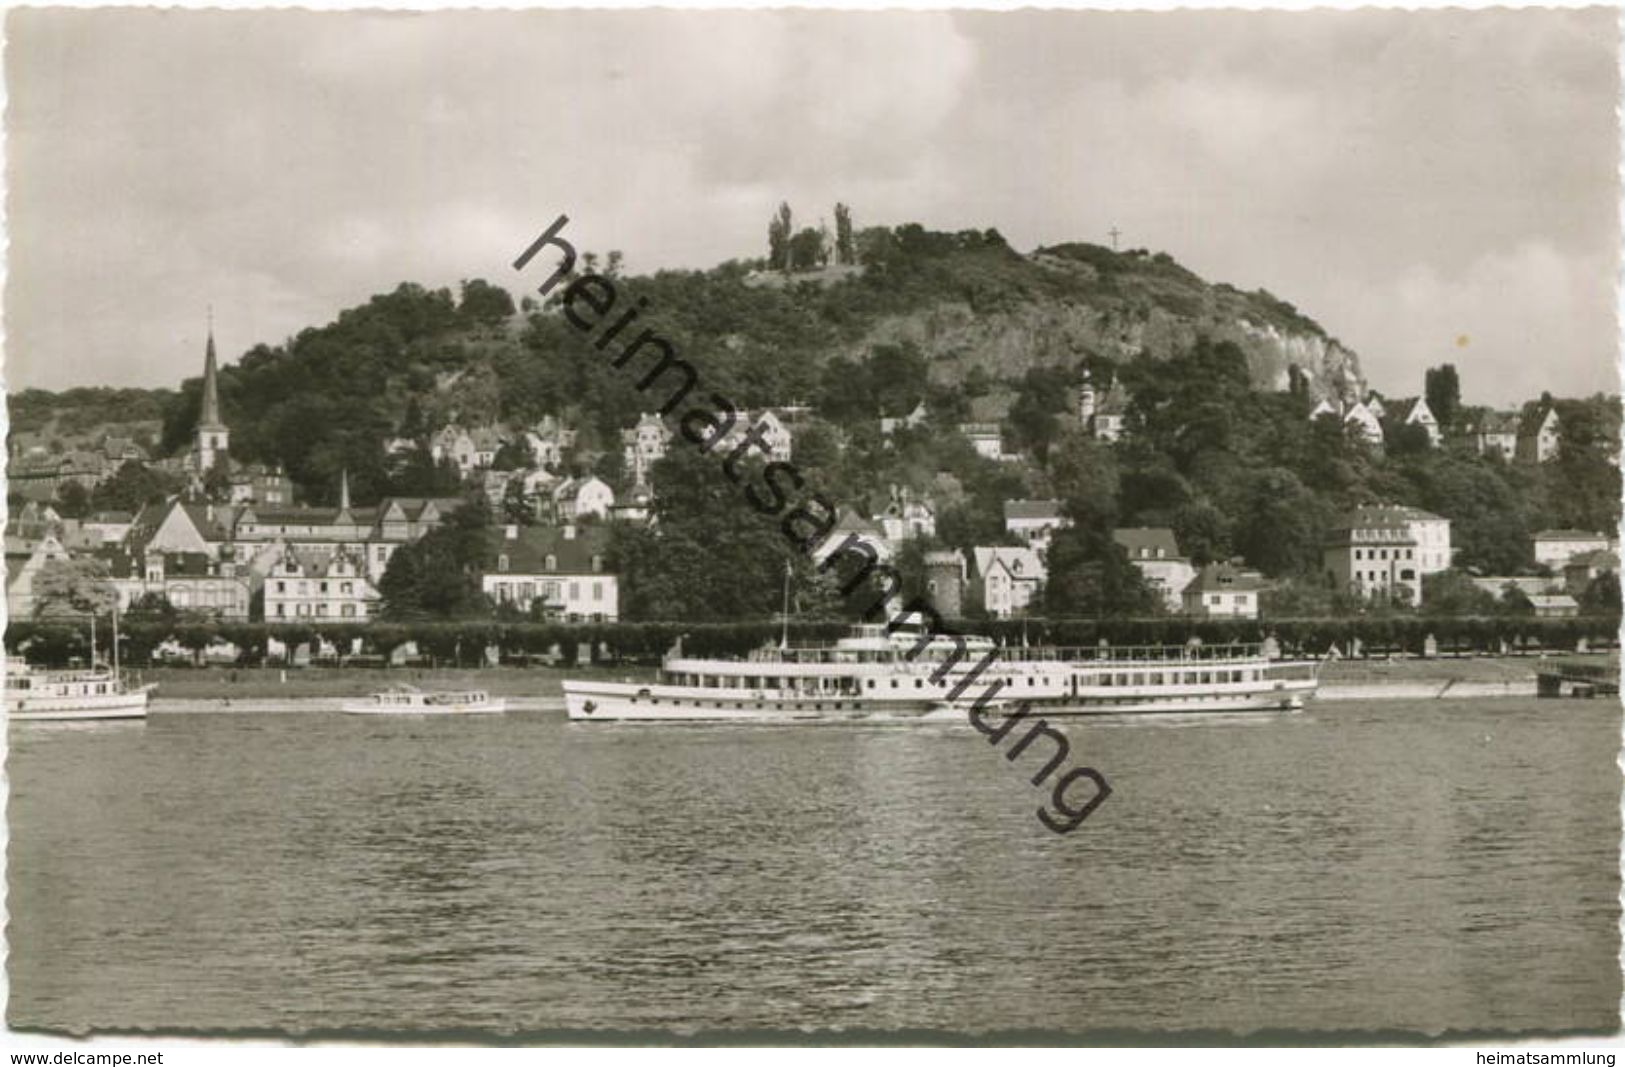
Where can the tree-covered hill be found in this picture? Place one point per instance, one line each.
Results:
(976, 312)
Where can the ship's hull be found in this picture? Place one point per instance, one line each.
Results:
(77, 708)
(617, 701)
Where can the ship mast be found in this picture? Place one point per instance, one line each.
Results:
(784, 638)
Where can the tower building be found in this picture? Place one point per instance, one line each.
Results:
(213, 439)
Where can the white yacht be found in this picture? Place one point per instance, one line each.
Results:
(408, 700)
(34, 695)
(903, 672)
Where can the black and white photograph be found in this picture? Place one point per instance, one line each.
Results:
(789, 526)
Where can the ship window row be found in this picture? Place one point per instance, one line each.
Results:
(852, 685)
(1170, 678)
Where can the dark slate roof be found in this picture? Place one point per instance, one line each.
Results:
(992, 407)
(1569, 535)
(527, 552)
(1142, 542)
(413, 506)
(1115, 402)
(1032, 509)
(1224, 578)
(1596, 558)
(1498, 422)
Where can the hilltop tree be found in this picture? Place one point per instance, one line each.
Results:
(1443, 393)
(778, 239)
(845, 252)
(808, 250)
(484, 304)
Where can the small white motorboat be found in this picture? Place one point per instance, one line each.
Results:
(409, 700)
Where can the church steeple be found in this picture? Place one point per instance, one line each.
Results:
(212, 435)
(210, 415)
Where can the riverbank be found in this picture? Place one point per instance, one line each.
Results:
(541, 688)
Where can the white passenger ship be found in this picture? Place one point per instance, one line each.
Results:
(876, 672)
(66, 696)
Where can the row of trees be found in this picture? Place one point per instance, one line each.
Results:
(57, 643)
(789, 250)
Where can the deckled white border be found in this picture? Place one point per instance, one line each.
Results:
(184, 1053)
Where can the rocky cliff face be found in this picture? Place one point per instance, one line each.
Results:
(1139, 306)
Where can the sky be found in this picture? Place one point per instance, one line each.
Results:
(1430, 186)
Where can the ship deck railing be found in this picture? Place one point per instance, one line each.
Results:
(1074, 655)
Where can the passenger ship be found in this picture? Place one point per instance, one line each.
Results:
(67, 696)
(904, 673)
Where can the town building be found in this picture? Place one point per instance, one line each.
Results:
(487, 441)
(985, 437)
(178, 525)
(1034, 521)
(1503, 587)
(248, 532)
(1008, 579)
(1360, 415)
(644, 445)
(258, 483)
(1155, 553)
(772, 428)
(576, 498)
(1553, 606)
(849, 525)
(1414, 411)
(636, 505)
(890, 425)
(906, 516)
(1110, 414)
(308, 587)
(1554, 548)
(212, 441)
(456, 445)
(1539, 435)
(945, 580)
(109, 527)
(1383, 550)
(25, 558)
(1496, 433)
(1102, 414)
(1223, 590)
(1583, 569)
(559, 571)
(189, 581)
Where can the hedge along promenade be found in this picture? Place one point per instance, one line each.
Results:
(54, 643)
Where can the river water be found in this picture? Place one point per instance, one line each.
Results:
(1417, 866)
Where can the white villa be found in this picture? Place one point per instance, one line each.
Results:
(1009, 578)
(561, 571)
(1034, 521)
